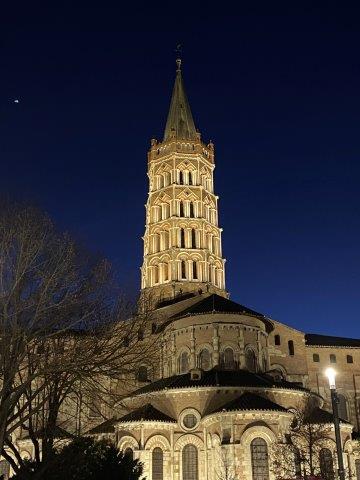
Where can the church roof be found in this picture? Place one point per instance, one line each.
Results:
(218, 378)
(250, 401)
(146, 413)
(216, 304)
(318, 415)
(104, 427)
(180, 123)
(329, 341)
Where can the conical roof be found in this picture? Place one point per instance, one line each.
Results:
(180, 122)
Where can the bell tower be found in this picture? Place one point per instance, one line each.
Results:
(182, 241)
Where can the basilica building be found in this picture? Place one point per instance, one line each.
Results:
(228, 380)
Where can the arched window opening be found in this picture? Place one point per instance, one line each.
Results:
(4, 469)
(227, 358)
(192, 210)
(205, 359)
(182, 238)
(183, 269)
(349, 359)
(129, 453)
(316, 357)
(193, 238)
(332, 358)
(277, 340)
(291, 348)
(190, 178)
(157, 464)
(184, 363)
(156, 274)
(326, 464)
(342, 407)
(194, 272)
(250, 360)
(297, 462)
(142, 374)
(259, 459)
(189, 462)
(182, 209)
(140, 334)
(181, 178)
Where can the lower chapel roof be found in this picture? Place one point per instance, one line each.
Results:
(218, 378)
(329, 341)
(250, 401)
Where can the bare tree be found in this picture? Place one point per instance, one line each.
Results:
(225, 468)
(62, 326)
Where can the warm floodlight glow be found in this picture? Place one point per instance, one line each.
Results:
(331, 374)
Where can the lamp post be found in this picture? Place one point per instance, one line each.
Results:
(330, 373)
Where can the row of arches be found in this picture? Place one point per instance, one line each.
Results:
(183, 209)
(181, 177)
(184, 237)
(204, 360)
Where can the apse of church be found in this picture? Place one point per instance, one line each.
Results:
(182, 241)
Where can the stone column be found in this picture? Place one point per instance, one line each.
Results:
(216, 356)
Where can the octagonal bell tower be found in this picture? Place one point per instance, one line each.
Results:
(182, 241)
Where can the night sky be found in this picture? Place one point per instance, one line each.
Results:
(274, 85)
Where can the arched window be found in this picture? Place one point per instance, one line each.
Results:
(142, 374)
(342, 407)
(357, 469)
(129, 453)
(192, 212)
(190, 462)
(193, 238)
(326, 464)
(291, 348)
(277, 340)
(259, 459)
(181, 178)
(205, 359)
(184, 363)
(156, 273)
(297, 462)
(182, 238)
(250, 360)
(227, 358)
(183, 269)
(182, 209)
(157, 464)
(195, 275)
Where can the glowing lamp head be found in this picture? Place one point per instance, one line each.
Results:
(331, 374)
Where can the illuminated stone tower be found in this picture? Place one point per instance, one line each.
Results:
(182, 241)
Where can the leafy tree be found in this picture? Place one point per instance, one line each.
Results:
(84, 459)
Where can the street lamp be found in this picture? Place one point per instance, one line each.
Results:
(331, 374)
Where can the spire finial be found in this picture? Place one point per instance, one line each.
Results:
(178, 64)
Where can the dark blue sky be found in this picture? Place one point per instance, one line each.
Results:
(274, 85)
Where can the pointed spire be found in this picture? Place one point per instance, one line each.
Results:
(180, 123)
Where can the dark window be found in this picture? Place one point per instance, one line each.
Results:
(141, 334)
(190, 420)
(126, 342)
(194, 270)
(205, 359)
(189, 462)
(342, 407)
(129, 453)
(182, 238)
(183, 269)
(192, 213)
(277, 340)
(332, 358)
(193, 238)
(326, 464)
(250, 360)
(157, 464)
(259, 459)
(190, 178)
(181, 178)
(142, 374)
(182, 209)
(291, 348)
(349, 359)
(316, 357)
(227, 358)
(184, 363)
(153, 328)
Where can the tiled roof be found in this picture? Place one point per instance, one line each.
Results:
(326, 340)
(105, 427)
(250, 401)
(218, 378)
(217, 304)
(318, 415)
(146, 413)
